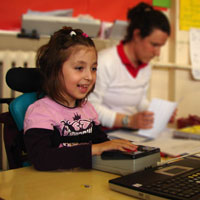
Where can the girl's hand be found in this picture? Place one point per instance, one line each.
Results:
(116, 144)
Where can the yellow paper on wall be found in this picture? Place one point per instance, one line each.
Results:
(189, 14)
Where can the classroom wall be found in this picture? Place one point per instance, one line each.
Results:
(12, 10)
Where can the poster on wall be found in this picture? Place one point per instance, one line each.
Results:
(189, 14)
(163, 3)
(194, 52)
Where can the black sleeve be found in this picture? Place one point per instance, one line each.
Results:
(45, 157)
(99, 135)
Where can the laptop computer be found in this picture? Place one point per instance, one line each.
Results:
(178, 180)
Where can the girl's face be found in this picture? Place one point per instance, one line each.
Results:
(149, 47)
(79, 73)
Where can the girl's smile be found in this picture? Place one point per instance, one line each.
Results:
(83, 88)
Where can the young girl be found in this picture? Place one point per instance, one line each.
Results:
(61, 130)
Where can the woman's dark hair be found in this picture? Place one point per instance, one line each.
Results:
(145, 18)
(51, 56)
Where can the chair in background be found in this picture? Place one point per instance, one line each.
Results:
(27, 81)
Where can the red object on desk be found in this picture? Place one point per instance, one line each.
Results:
(191, 120)
(164, 155)
(128, 150)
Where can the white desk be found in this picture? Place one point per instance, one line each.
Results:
(28, 184)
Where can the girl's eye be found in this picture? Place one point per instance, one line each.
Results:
(79, 68)
(94, 68)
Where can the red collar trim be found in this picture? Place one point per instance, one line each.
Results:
(129, 66)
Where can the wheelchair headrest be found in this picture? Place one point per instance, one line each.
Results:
(23, 79)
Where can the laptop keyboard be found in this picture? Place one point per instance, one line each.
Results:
(183, 186)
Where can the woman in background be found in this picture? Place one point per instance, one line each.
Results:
(124, 72)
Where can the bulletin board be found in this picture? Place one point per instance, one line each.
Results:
(12, 10)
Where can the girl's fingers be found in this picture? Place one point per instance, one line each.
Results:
(125, 144)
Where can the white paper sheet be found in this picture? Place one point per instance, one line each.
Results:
(195, 52)
(128, 135)
(163, 111)
(164, 141)
(174, 147)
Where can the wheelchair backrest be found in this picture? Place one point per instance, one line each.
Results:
(19, 106)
